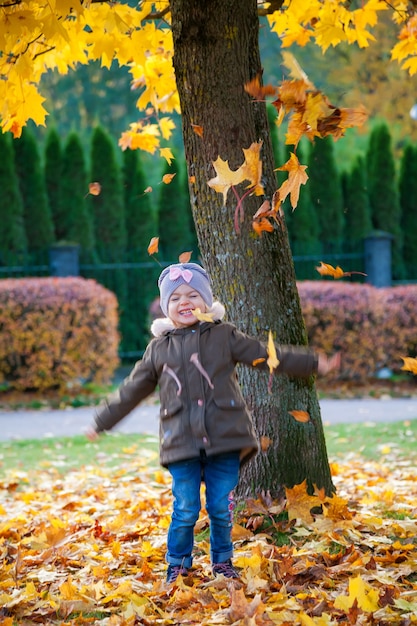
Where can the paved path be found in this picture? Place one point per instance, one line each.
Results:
(67, 422)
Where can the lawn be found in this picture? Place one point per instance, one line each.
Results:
(370, 440)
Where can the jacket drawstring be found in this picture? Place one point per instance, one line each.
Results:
(171, 372)
(194, 360)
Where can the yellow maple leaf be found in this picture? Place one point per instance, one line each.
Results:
(324, 269)
(361, 592)
(167, 126)
(252, 167)
(202, 317)
(410, 364)
(68, 590)
(296, 177)
(272, 360)
(296, 71)
(336, 508)
(226, 178)
(166, 154)
(300, 503)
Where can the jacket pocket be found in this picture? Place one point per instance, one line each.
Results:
(229, 403)
(171, 407)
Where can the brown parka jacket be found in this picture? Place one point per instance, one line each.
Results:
(201, 404)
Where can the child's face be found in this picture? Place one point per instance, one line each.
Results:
(182, 302)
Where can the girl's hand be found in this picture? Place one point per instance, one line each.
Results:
(91, 434)
(327, 364)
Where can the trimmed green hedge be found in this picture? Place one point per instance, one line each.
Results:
(55, 332)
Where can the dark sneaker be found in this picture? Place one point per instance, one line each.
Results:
(226, 569)
(174, 571)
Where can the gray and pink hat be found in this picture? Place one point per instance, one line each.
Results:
(184, 274)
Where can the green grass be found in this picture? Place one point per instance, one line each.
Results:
(67, 453)
(376, 442)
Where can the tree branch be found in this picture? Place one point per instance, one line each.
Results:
(6, 5)
(274, 5)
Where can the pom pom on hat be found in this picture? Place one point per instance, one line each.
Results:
(184, 274)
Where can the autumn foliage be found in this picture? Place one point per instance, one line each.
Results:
(55, 332)
(372, 327)
(36, 37)
(88, 547)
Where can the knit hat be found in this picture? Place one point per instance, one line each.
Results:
(184, 274)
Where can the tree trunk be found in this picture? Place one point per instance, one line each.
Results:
(216, 52)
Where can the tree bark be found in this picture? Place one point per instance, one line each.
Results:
(216, 51)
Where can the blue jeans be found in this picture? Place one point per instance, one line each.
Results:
(220, 474)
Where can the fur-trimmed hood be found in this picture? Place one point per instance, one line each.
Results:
(163, 325)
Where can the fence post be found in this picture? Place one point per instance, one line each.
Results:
(378, 258)
(64, 260)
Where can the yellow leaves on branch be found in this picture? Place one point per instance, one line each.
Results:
(405, 51)
(38, 36)
(332, 23)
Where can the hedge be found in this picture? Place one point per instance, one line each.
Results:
(372, 327)
(56, 332)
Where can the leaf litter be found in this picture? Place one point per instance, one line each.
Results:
(87, 547)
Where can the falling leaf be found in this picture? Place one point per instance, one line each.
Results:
(258, 91)
(410, 364)
(166, 153)
(272, 360)
(153, 245)
(94, 189)
(296, 71)
(262, 225)
(202, 317)
(148, 190)
(167, 178)
(300, 416)
(265, 443)
(185, 257)
(226, 178)
(296, 177)
(324, 269)
(252, 167)
(197, 129)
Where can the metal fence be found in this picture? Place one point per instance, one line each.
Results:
(135, 284)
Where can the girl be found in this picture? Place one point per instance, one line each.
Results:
(206, 431)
